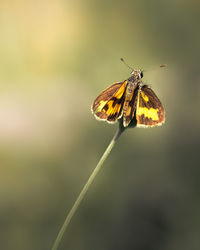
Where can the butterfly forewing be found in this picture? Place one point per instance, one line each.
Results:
(108, 105)
(149, 111)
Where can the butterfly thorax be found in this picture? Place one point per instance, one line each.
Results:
(132, 84)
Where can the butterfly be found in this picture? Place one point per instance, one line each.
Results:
(129, 100)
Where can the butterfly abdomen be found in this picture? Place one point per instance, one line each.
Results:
(128, 111)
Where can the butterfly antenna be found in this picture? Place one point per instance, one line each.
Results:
(122, 59)
(156, 67)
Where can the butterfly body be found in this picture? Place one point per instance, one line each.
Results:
(129, 99)
(128, 110)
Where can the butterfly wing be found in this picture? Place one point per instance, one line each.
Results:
(108, 105)
(149, 111)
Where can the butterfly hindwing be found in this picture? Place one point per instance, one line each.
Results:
(108, 105)
(149, 111)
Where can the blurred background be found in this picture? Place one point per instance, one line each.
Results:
(55, 58)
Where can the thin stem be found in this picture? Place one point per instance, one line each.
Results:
(85, 188)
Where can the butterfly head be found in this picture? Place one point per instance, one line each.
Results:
(138, 74)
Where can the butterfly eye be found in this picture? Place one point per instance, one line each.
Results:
(141, 74)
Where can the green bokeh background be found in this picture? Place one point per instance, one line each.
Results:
(55, 58)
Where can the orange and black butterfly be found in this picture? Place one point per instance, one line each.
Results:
(128, 100)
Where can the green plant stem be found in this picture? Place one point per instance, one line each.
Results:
(86, 187)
